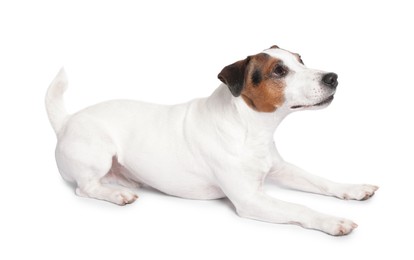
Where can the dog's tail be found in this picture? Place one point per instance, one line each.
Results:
(55, 106)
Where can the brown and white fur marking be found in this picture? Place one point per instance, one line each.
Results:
(209, 148)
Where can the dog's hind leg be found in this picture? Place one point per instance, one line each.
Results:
(87, 164)
(97, 190)
(119, 175)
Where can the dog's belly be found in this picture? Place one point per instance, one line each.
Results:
(172, 180)
(171, 169)
(192, 188)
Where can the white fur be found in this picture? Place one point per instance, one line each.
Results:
(204, 149)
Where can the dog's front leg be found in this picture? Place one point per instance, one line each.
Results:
(245, 192)
(294, 177)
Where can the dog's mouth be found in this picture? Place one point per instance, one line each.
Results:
(326, 101)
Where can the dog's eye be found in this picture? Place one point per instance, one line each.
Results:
(280, 71)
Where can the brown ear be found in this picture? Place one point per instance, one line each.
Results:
(274, 47)
(233, 76)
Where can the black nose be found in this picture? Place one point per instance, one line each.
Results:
(330, 80)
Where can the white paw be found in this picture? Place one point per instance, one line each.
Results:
(118, 196)
(338, 226)
(358, 192)
(124, 197)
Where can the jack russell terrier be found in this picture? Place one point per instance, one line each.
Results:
(209, 148)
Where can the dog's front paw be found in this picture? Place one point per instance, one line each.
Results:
(358, 192)
(338, 226)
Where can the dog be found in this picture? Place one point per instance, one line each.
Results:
(208, 148)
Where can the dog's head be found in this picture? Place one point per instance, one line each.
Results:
(277, 78)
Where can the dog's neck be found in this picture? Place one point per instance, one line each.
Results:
(235, 109)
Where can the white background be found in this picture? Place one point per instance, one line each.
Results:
(171, 51)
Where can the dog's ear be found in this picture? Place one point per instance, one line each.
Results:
(233, 76)
(274, 47)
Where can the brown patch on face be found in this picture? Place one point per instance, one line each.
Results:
(263, 90)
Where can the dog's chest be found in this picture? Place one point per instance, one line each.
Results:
(256, 154)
